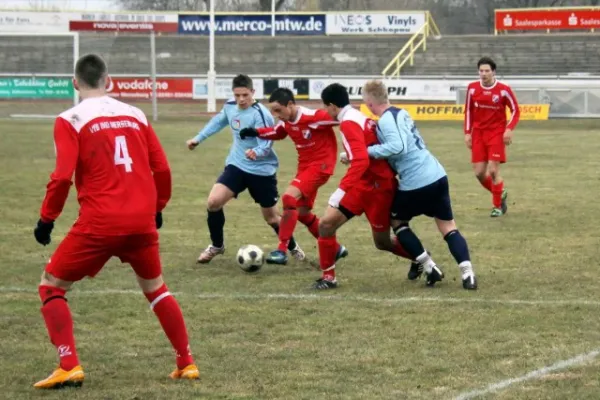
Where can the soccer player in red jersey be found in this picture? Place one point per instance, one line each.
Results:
(367, 187)
(123, 183)
(314, 138)
(487, 131)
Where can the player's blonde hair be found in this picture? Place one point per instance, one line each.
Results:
(376, 91)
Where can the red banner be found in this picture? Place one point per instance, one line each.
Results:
(141, 88)
(543, 19)
(115, 26)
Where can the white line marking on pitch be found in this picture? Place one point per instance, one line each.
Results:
(315, 297)
(537, 374)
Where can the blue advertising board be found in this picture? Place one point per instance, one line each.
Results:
(254, 24)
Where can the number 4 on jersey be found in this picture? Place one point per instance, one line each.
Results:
(122, 154)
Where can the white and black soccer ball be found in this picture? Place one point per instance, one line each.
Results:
(250, 258)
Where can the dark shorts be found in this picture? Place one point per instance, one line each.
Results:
(263, 189)
(432, 200)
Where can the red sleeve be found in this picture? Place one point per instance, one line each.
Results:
(276, 132)
(323, 115)
(66, 145)
(353, 138)
(513, 106)
(468, 112)
(160, 168)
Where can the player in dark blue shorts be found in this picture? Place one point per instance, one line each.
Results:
(423, 186)
(251, 164)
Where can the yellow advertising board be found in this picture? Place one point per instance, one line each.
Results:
(455, 112)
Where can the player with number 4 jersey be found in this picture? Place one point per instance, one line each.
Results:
(123, 183)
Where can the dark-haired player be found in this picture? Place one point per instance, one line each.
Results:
(487, 132)
(314, 138)
(123, 183)
(251, 164)
(367, 187)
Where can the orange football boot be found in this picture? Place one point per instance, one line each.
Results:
(61, 378)
(189, 372)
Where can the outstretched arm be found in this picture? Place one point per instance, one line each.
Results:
(215, 125)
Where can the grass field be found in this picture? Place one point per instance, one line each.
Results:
(379, 336)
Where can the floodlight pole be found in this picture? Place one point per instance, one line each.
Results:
(153, 76)
(211, 105)
(272, 17)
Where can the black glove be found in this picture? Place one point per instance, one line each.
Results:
(248, 132)
(42, 232)
(159, 220)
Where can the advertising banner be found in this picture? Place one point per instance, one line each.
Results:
(455, 112)
(543, 19)
(36, 88)
(114, 26)
(58, 22)
(385, 23)
(398, 89)
(141, 88)
(128, 17)
(40, 22)
(253, 24)
(223, 89)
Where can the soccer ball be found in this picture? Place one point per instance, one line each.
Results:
(250, 258)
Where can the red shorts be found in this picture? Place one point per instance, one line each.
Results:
(80, 255)
(308, 181)
(375, 203)
(488, 148)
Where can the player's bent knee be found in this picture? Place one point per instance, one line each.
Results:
(271, 216)
(326, 227)
(382, 240)
(401, 225)
(50, 280)
(294, 192)
(289, 201)
(214, 204)
(445, 227)
(150, 285)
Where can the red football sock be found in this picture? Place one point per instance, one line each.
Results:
(487, 183)
(328, 248)
(288, 221)
(169, 314)
(497, 190)
(398, 250)
(311, 221)
(59, 324)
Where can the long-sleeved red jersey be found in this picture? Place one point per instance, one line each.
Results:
(358, 132)
(312, 133)
(121, 172)
(485, 109)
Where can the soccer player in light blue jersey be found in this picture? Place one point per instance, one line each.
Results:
(423, 188)
(251, 164)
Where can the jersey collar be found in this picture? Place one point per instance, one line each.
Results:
(343, 112)
(298, 116)
(488, 87)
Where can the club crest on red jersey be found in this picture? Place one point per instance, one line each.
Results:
(495, 98)
(306, 134)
